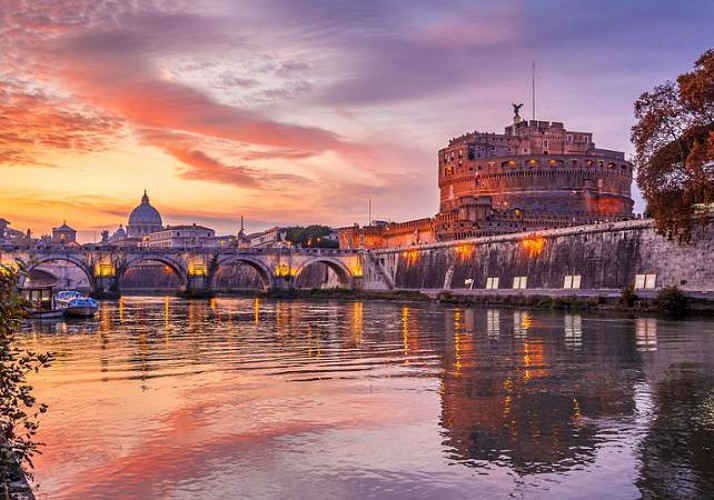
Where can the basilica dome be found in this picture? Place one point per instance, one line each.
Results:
(144, 219)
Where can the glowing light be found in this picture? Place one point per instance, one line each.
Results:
(411, 256)
(533, 246)
(464, 252)
(103, 270)
(357, 269)
(282, 271)
(197, 269)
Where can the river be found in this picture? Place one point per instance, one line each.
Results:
(162, 398)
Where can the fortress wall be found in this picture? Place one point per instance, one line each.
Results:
(605, 256)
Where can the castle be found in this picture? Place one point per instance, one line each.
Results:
(536, 175)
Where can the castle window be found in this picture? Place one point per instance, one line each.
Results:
(545, 143)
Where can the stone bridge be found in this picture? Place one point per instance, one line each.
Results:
(197, 268)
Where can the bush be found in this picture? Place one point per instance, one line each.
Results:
(19, 411)
(671, 300)
(628, 297)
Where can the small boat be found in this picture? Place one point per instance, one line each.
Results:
(73, 303)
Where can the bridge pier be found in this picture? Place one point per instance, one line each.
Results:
(105, 287)
(198, 286)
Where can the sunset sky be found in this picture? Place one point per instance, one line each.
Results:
(297, 112)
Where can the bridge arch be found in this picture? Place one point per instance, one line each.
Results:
(343, 273)
(36, 261)
(175, 265)
(264, 272)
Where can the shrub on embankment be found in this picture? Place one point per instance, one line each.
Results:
(670, 300)
(19, 410)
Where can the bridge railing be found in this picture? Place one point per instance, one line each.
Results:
(168, 251)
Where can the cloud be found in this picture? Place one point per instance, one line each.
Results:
(32, 120)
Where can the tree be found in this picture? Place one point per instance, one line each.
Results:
(311, 236)
(674, 141)
(19, 411)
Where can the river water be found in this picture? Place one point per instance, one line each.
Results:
(161, 398)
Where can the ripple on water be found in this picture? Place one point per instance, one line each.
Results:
(165, 398)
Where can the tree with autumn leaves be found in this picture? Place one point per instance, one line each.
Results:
(674, 141)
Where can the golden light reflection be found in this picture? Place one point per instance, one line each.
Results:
(507, 405)
(457, 341)
(577, 413)
(167, 324)
(313, 342)
(106, 320)
(405, 330)
(533, 246)
(357, 322)
(256, 311)
(121, 308)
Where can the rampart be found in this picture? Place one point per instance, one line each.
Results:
(602, 256)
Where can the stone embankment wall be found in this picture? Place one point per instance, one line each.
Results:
(605, 256)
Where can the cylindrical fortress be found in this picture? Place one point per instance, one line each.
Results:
(535, 170)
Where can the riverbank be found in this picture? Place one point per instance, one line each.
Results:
(667, 300)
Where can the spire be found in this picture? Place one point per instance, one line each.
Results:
(145, 198)
(242, 227)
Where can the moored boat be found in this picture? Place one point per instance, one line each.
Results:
(73, 303)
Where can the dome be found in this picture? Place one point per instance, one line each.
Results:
(145, 213)
(119, 234)
(144, 219)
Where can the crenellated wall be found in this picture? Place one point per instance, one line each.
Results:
(605, 256)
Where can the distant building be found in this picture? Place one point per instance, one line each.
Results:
(64, 235)
(144, 219)
(9, 234)
(537, 175)
(181, 236)
(119, 234)
(226, 241)
(270, 238)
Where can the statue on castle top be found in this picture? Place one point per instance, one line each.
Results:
(516, 109)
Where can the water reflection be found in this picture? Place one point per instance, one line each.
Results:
(368, 393)
(646, 334)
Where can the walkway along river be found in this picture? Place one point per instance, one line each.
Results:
(245, 398)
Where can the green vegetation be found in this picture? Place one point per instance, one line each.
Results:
(628, 298)
(311, 236)
(674, 140)
(670, 300)
(19, 411)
